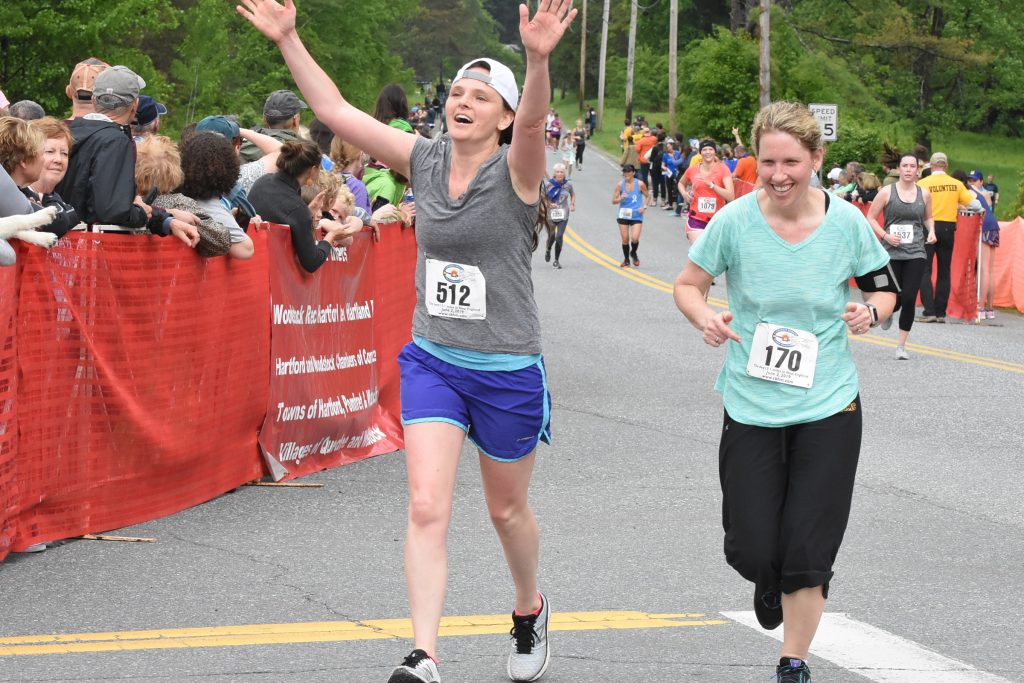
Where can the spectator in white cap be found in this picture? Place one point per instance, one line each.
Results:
(100, 180)
(282, 114)
(476, 327)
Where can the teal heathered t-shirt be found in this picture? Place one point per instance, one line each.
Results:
(805, 286)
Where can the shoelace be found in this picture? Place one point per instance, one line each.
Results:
(414, 658)
(524, 633)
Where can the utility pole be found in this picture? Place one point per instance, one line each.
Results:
(631, 59)
(583, 55)
(600, 67)
(673, 83)
(766, 53)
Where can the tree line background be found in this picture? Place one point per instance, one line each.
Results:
(900, 70)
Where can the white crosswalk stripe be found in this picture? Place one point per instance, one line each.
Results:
(876, 654)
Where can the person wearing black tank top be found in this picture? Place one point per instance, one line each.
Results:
(908, 227)
(483, 167)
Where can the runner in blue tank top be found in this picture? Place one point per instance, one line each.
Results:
(632, 198)
(474, 367)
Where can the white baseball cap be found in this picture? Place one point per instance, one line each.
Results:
(500, 78)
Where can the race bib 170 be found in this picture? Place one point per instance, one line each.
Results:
(783, 354)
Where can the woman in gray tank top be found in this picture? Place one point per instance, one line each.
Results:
(908, 227)
(474, 367)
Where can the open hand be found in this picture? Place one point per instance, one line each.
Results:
(541, 34)
(271, 18)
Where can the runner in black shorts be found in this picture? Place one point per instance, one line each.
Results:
(632, 198)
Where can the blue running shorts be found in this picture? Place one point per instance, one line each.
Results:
(504, 412)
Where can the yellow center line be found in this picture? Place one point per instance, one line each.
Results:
(591, 252)
(329, 631)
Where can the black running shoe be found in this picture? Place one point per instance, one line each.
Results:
(792, 670)
(556, 264)
(547, 254)
(418, 667)
(768, 608)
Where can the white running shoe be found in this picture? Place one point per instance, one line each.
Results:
(901, 353)
(418, 667)
(530, 653)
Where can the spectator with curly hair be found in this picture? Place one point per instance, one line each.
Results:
(158, 169)
(349, 163)
(210, 166)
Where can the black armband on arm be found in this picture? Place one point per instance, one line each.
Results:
(881, 280)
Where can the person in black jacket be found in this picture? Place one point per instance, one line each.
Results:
(277, 199)
(100, 180)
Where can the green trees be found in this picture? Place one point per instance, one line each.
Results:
(40, 42)
(197, 56)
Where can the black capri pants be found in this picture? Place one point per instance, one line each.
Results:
(786, 494)
(909, 274)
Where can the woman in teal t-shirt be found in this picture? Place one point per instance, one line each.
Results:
(792, 429)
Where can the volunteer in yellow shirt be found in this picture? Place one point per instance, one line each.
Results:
(948, 194)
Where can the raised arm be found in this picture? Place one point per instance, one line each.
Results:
(277, 22)
(540, 35)
(265, 143)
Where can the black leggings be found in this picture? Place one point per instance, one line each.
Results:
(786, 494)
(908, 274)
(556, 235)
(579, 155)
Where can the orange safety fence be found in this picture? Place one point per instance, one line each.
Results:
(134, 376)
(1008, 266)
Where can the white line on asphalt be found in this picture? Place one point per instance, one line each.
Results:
(876, 654)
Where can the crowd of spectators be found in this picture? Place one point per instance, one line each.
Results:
(108, 168)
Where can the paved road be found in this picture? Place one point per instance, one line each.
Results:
(305, 584)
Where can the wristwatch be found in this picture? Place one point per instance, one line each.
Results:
(874, 314)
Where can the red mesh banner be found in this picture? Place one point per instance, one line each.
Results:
(143, 371)
(8, 407)
(323, 408)
(963, 272)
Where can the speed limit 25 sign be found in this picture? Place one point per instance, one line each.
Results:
(828, 118)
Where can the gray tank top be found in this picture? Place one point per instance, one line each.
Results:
(489, 227)
(898, 211)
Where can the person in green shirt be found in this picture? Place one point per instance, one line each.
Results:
(792, 427)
